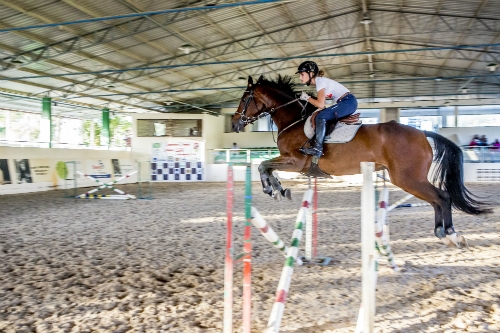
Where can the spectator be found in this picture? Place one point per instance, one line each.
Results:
(496, 144)
(475, 141)
(235, 145)
(483, 141)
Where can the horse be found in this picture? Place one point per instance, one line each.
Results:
(402, 150)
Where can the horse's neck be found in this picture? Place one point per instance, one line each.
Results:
(286, 115)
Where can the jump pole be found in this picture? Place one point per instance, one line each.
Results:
(123, 195)
(368, 252)
(247, 250)
(315, 220)
(228, 267)
(267, 231)
(230, 257)
(273, 326)
(381, 229)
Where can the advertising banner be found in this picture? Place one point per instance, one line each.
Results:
(180, 161)
(23, 171)
(4, 172)
(99, 168)
(41, 170)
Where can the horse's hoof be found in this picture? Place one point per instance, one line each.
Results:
(446, 241)
(287, 193)
(276, 195)
(457, 241)
(462, 242)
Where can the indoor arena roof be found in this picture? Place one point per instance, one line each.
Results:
(195, 56)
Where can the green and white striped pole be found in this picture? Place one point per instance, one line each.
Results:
(273, 326)
(267, 231)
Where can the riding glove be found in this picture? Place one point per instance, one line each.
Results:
(304, 96)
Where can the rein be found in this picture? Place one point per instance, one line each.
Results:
(250, 120)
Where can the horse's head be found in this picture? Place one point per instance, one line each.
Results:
(252, 106)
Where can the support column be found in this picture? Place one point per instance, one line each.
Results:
(105, 134)
(456, 116)
(388, 114)
(46, 121)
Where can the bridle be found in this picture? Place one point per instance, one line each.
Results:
(245, 120)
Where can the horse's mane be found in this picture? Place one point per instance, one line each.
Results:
(284, 84)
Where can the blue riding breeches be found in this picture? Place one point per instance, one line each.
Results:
(344, 107)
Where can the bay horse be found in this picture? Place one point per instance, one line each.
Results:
(402, 150)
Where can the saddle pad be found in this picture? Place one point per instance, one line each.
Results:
(341, 134)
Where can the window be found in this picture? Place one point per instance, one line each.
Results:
(169, 127)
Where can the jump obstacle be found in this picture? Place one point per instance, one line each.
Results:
(122, 195)
(374, 241)
(307, 216)
(246, 255)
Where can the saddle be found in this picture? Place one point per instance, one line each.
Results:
(352, 122)
(330, 125)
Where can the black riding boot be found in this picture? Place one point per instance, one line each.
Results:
(317, 147)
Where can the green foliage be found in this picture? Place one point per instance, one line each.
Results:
(62, 170)
(87, 132)
(119, 126)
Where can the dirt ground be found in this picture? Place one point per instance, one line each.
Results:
(157, 265)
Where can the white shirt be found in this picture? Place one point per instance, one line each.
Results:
(333, 89)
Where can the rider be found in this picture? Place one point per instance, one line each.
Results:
(346, 102)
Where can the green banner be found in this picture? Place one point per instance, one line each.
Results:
(105, 133)
(46, 123)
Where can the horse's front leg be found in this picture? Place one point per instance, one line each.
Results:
(270, 184)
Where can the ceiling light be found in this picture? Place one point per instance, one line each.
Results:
(492, 67)
(372, 75)
(241, 78)
(186, 48)
(366, 20)
(439, 78)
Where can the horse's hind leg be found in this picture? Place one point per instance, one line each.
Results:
(440, 201)
(445, 230)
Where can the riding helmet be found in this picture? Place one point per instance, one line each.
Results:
(308, 66)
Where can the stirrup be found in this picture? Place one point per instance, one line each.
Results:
(312, 151)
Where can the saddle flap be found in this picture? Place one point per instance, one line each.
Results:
(352, 120)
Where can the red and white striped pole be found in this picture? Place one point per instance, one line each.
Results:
(228, 270)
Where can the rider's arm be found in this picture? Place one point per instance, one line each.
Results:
(319, 101)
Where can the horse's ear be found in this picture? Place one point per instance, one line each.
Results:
(250, 81)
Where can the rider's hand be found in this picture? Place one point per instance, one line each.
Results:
(304, 96)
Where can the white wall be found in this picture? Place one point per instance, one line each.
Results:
(52, 155)
(249, 139)
(463, 135)
(212, 128)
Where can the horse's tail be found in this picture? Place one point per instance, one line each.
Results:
(449, 176)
